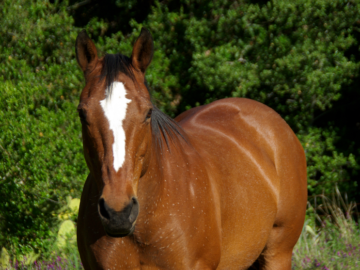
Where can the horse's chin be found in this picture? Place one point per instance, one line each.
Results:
(121, 234)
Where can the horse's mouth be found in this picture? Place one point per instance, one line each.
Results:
(122, 233)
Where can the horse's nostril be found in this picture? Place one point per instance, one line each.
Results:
(102, 209)
(134, 211)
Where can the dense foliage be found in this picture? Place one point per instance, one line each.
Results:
(41, 155)
(299, 57)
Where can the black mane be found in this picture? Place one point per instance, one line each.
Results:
(163, 127)
(113, 65)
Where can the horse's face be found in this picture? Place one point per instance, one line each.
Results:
(115, 111)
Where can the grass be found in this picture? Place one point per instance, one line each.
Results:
(57, 263)
(66, 258)
(330, 240)
(335, 242)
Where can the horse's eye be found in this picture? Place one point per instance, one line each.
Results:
(148, 116)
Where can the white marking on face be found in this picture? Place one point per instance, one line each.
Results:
(114, 107)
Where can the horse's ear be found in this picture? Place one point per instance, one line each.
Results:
(86, 54)
(142, 51)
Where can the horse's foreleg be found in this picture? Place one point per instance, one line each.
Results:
(280, 261)
(278, 251)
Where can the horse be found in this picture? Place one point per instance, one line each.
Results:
(221, 186)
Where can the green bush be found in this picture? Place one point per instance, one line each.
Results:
(41, 159)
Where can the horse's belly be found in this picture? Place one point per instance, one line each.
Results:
(246, 183)
(248, 199)
(247, 220)
(245, 239)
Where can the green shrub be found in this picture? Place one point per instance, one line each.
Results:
(41, 159)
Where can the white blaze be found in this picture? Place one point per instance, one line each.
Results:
(114, 107)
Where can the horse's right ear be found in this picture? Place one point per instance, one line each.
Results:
(86, 54)
(143, 51)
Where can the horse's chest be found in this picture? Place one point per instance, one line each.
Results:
(119, 254)
(114, 253)
(165, 253)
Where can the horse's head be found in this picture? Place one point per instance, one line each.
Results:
(115, 112)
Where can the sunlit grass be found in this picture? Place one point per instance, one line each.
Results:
(57, 263)
(66, 258)
(335, 242)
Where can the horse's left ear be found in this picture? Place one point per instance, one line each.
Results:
(86, 53)
(142, 51)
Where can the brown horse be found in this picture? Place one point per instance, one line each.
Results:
(223, 186)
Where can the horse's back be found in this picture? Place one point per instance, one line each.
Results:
(258, 169)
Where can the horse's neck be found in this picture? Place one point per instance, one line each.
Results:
(169, 172)
(169, 193)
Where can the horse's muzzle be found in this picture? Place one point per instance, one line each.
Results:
(119, 223)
